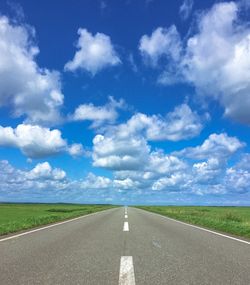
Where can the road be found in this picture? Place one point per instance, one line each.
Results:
(112, 247)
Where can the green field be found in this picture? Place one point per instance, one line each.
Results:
(16, 217)
(233, 220)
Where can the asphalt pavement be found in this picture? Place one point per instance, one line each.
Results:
(123, 246)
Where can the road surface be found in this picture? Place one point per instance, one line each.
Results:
(115, 247)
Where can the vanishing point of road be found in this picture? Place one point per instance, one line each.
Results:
(123, 246)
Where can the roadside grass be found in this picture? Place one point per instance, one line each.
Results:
(17, 217)
(233, 220)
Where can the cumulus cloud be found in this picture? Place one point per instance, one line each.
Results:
(130, 156)
(216, 145)
(207, 177)
(35, 141)
(237, 180)
(119, 153)
(186, 9)
(93, 181)
(125, 184)
(95, 52)
(181, 123)
(199, 170)
(174, 182)
(162, 42)
(98, 114)
(124, 148)
(161, 172)
(158, 165)
(42, 177)
(161, 163)
(208, 172)
(211, 175)
(26, 88)
(215, 60)
(76, 149)
(45, 171)
(93, 113)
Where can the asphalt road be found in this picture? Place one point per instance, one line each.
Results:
(109, 248)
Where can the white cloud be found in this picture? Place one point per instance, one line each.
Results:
(237, 178)
(119, 153)
(41, 177)
(75, 149)
(244, 163)
(93, 181)
(208, 172)
(180, 124)
(28, 89)
(98, 114)
(45, 171)
(170, 172)
(95, 52)
(161, 42)
(210, 176)
(125, 184)
(186, 9)
(124, 148)
(215, 60)
(164, 164)
(130, 157)
(174, 182)
(160, 172)
(34, 141)
(158, 166)
(216, 145)
(93, 113)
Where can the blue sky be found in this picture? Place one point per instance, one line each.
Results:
(130, 102)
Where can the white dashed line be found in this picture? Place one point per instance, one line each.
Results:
(127, 275)
(126, 227)
(126, 216)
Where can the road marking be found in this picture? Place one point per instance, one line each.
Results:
(127, 275)
(156, 243)
(125, 227)
(200, 228)
(50, 226)
(126, 216)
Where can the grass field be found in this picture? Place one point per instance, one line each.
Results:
(233, 220)
(16, 217)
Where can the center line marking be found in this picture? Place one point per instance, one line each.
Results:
(126, 216)
(127, 275)
(126, 227)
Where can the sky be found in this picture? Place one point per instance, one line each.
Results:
(125, 102)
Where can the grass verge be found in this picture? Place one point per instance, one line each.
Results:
(233, 220)
(17, 217)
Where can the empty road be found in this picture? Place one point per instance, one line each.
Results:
(123, 247)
